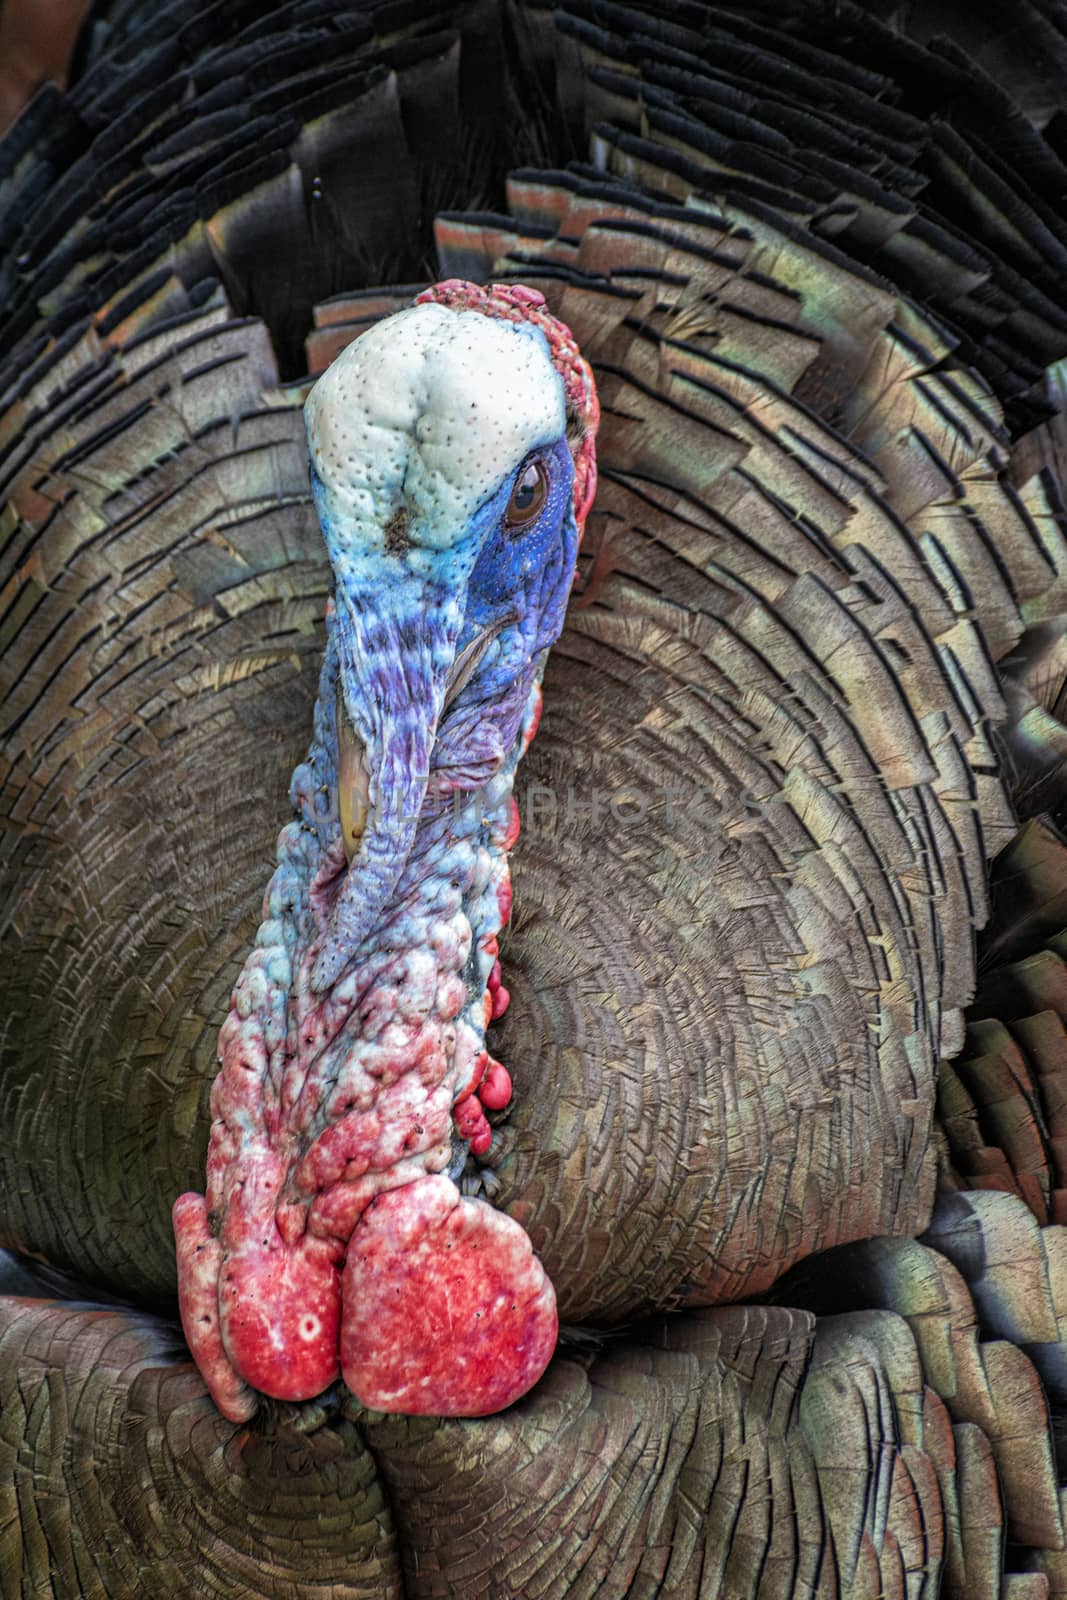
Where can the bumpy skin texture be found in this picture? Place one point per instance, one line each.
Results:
(332, 1239)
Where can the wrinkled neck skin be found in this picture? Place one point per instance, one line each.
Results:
(354, 1083)
(430, 953)
(333, 1238)
(355, 1080)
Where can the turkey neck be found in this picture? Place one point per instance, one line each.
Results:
(417, 988)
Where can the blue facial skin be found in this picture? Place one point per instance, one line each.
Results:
(393, 642)
(521, 579)
(528, 568)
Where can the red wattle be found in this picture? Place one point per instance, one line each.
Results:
(448, 1312)
(514, 823)
(501, 1001)
(481, 1138)
(280, 1316)
(471, 1125)
(534, 722)
(199, 1263)
(495, 1092)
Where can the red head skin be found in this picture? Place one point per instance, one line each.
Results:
(331, 1242)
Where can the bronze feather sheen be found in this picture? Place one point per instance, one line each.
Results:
(788, 1130)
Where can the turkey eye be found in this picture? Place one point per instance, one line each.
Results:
(528, 495)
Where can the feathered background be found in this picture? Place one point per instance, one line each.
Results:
(809, 689)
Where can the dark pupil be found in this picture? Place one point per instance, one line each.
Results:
(525, 492)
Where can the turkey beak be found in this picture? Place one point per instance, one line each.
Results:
(353, 778)
(353, 781)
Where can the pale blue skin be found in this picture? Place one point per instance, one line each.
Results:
(518, 582)
(409, 632)
(392, 639)
(441, 786)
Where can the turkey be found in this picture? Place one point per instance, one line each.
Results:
(452, 466)
(787, 1031)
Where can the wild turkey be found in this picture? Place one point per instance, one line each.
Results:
(807, 689)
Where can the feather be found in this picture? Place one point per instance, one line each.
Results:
(815, 660)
